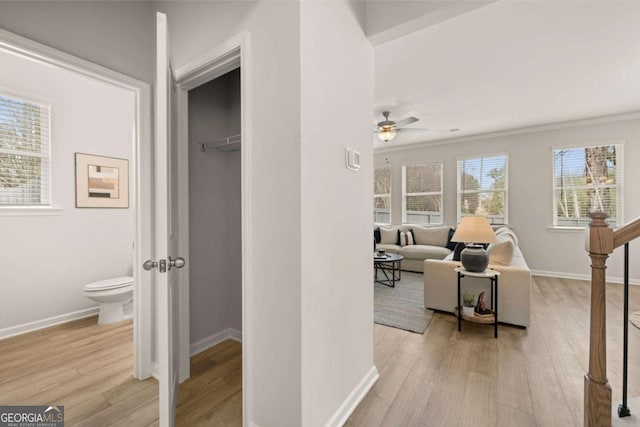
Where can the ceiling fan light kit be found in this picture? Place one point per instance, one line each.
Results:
(386, 134)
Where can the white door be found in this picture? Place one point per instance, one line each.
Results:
(165, 218)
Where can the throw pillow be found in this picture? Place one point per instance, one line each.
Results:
(376, 234)
(398, 238)
(501, 253)
(505, 231)
(451, 245)
(410, 240)
(457, 250)
(403, 238)
(388, 236)
(432, 236)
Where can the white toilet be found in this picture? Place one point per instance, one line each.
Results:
(113, 295)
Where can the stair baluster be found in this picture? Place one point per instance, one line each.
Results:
(623, 409)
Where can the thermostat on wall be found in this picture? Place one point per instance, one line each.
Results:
(353, 159)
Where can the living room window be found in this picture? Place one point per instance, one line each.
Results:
(24, 153)
(482, 188)
(587, 179)
(382, 196)
(422, 193)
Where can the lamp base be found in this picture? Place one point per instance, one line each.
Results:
(474, 258)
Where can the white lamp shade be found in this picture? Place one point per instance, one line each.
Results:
(474, 229)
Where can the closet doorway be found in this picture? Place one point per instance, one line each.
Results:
(212, 233)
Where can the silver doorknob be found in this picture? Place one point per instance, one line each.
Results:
(149, 264)
(177, 263)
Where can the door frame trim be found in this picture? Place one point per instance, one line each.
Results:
(233, 53)
(141, 152)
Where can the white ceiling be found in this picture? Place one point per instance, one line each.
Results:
(512, 64)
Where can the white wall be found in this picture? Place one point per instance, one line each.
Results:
(46, 260)
(274, 88)
(215, 267)
(530, 199)
(337, 291)
(119, 35)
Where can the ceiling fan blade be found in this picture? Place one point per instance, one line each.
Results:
(406, 121)
(428, 130)
(405, 130)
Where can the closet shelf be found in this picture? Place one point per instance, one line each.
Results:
(231, 143)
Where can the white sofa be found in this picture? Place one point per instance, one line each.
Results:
(430, 243)
(514, 284)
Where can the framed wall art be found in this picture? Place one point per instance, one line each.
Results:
(101, 182)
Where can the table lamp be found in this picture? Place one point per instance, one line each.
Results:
(473, 230)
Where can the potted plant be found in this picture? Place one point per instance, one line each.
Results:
(468, 304)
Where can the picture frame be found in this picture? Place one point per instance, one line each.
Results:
(101, 182)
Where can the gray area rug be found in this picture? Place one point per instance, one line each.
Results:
(401, 307)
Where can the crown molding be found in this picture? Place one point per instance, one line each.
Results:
(515, 131)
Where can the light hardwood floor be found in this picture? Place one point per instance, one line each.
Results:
(526, 377)
(87, 368)
(529, 377)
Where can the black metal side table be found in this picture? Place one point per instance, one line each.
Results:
(492, 275)
(390, 266)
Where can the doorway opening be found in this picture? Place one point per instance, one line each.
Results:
(213, 149)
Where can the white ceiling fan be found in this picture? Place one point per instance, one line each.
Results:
(387, 129)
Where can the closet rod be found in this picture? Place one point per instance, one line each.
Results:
(231, 143)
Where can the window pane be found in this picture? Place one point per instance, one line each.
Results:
(24, 152)
(20, 182)
(489, 204)
(423, 209)
(382, 209)
(483, 188)
(585, 181)
(382, 181)
(424, 178)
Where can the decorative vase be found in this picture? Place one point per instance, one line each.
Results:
(474, 258)
(468, 311)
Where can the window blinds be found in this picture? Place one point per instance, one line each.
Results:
(587, 179)
(24, 153)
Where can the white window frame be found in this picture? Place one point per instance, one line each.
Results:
(619, 185)
(426, 193)
(385, 194)
(505, 190)
(46, 190)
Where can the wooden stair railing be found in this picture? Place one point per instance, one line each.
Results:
(601, 241)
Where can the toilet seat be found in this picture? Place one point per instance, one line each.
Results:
(109, 284)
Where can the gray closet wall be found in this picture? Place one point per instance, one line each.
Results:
(214, 209)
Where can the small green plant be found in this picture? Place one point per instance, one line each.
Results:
(468, 300)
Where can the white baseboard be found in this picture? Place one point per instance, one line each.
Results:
(353, 399)
(210, 341)
(45, 323)
(587, 277)
(155, 370)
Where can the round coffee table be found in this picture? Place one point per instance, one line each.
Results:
(390, 268)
